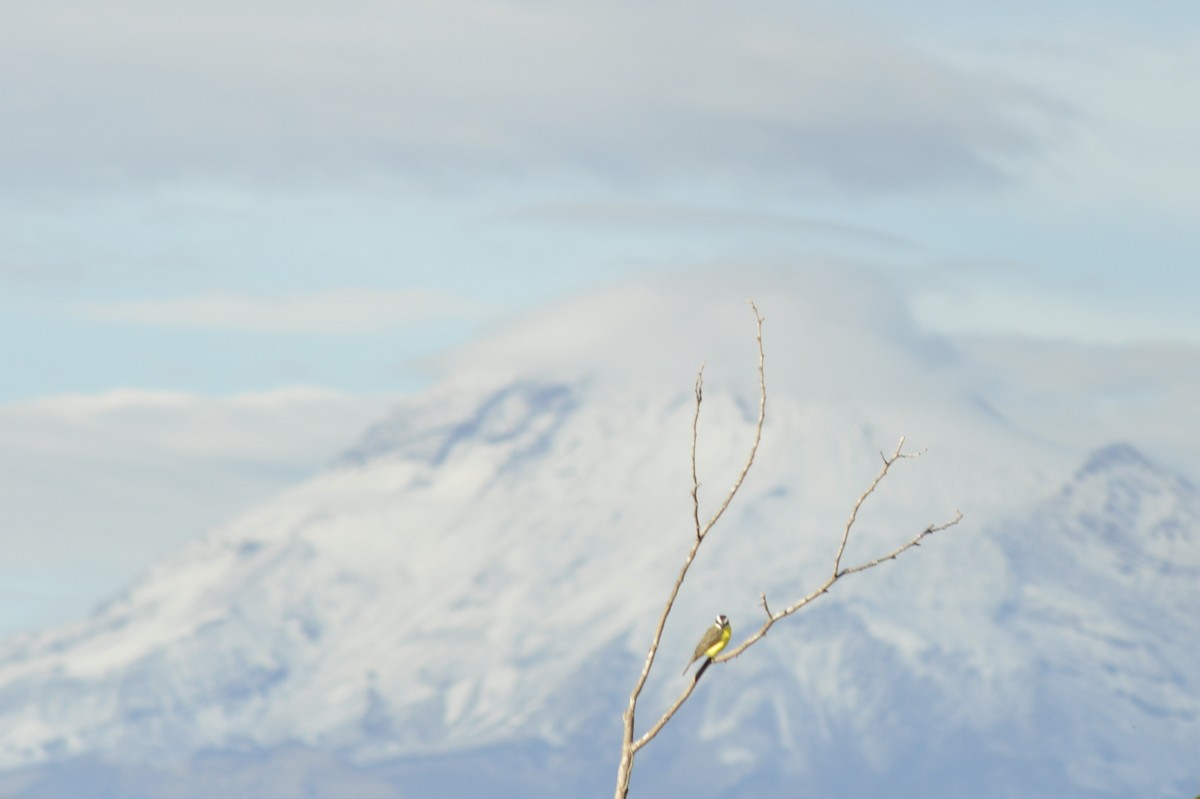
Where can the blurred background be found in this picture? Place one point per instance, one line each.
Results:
(233, 234)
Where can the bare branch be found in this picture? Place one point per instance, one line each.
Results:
(915, 542)
(887, 464)
(628, 747)
(762, 413)
(829, 581)
(695, 435)
(648, 736)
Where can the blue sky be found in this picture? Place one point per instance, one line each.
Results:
(217, 200)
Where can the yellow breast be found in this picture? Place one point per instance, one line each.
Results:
(719, 644)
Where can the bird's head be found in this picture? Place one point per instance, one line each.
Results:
(722, 621)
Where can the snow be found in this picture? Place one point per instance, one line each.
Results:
(483, 568)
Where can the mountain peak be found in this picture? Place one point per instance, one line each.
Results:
(1118, 456)
(1126, 499)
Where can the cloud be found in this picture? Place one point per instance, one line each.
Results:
(664, 218)
(847, 324)
(1049, 314)
(1081, 394)
(96, 487)
(1138, 149)
(337, 311)
(769, 92)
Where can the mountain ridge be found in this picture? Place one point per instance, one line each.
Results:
(475, 582)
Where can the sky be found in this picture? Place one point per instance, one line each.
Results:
(233, 233)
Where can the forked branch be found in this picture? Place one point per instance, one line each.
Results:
(838, 571)
(630, 746)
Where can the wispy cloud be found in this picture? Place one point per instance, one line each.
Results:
(337, 311)
(777, 92)
(672, 218)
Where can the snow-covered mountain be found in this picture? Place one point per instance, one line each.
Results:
(461, 603)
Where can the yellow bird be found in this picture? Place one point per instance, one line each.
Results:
(714, 640)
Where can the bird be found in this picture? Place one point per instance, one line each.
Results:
(713, 641)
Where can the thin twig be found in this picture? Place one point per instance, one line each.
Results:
(829, 581)
(695, 436)
(915, 542)
(762, 414)
(887, 464)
